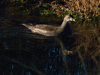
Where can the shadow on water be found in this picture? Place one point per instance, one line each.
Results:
(25, 53)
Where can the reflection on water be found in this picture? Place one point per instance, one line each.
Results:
(29, 54)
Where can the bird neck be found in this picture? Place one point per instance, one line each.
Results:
(63, 25)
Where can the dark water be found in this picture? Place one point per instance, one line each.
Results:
(23, 53)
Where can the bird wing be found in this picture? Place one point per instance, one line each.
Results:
(46, 27)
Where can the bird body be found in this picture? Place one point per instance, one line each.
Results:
(51, 30)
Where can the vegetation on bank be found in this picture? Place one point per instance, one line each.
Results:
(84, 9)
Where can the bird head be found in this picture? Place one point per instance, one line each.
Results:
(69, 18)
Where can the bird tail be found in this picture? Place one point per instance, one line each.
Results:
(29, 26)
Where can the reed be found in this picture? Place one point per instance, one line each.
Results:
(86, 8)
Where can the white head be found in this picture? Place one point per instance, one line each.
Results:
(68, 18)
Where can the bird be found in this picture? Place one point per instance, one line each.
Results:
(51, 30)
